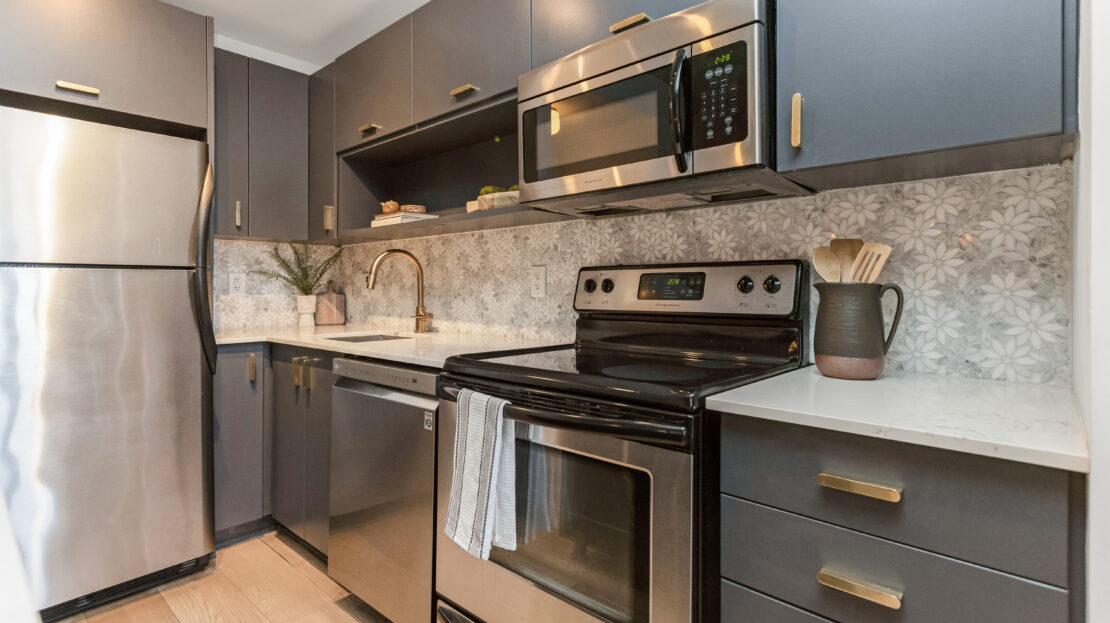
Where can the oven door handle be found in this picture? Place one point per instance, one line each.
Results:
(634, 430)
(677, 131)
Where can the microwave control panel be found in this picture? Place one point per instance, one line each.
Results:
(720, 95)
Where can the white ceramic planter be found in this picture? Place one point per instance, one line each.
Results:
(306, 307)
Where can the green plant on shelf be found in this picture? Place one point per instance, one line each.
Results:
(300, 272)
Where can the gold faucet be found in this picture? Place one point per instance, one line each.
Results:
(423, 318)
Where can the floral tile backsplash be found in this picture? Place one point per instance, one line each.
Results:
(985, 262)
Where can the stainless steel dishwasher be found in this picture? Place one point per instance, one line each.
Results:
(382, 520)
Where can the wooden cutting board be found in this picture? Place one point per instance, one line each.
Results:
(331, 307)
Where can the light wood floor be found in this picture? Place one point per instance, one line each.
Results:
(267, 579)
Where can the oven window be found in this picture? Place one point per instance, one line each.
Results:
(583, 531)
(620, 123)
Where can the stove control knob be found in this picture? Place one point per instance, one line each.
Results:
(772, 284)
(590, 285)
(607, 285)
(745, 285)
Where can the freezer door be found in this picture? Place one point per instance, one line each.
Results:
(76, 192)
(102, 424)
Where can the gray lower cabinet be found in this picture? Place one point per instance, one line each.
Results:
(261, 149)
(892, 78)
(239, 433)
(302, 442)
(146, 58)
(322, 174)
(373, 86)
(819, 525)
(560, 27)
(465, 51)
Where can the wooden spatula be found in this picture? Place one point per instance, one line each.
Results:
(846, 251)
(869, 263)
(826, 264)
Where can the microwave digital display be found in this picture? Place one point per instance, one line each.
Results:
(671, 287)
(719, 86)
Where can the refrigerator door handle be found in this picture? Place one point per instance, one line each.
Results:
(201, 309)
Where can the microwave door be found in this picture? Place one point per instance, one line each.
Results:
(621, 129)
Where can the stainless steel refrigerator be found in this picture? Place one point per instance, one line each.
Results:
(106, 355)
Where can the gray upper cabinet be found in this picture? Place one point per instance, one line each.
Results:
(465, 51)
(560, 27)
(322, 218)
(238, 461)
(881, 79)
(146, 58)
(278, 146)
(373, 86)
(231, 209)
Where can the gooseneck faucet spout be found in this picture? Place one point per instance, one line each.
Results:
(423, 318)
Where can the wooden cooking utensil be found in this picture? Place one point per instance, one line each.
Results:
(846, 251)
(869, 263)
(826, 264)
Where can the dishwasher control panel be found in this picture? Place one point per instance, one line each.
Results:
(416, 381)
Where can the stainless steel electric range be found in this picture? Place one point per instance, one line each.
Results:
(617, 459)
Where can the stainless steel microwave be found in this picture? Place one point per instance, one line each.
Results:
(674, 113)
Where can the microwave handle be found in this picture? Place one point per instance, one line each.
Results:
(677, 131)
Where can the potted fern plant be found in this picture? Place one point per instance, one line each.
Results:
(303, 276)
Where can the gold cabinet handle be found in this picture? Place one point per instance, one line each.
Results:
(796, 120)
(466, 88)
(868, 489)
(252, 368)
(864, 590)
(238, 214)
(298, 363)
(629, 22)
(306, 372)
(329, 218)
(77, 88)
(369, 127)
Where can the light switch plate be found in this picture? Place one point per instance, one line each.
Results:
(237, 283)
(537, 276)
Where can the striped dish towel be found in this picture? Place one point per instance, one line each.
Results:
(482, 509)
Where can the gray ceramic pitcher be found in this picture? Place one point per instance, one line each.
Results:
(848, 341)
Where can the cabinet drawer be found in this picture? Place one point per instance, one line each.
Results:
(781, 554)
(741, 605)
(1005, 515)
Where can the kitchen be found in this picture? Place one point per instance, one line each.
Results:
(268, 268)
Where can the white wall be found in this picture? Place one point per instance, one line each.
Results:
(1092, 289)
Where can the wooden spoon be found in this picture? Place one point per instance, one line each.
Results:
(870, 262)
(826, 264)
(846, 251)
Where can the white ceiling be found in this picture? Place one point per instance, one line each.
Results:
(299, 34)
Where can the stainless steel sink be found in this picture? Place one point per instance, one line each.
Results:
(365, 338)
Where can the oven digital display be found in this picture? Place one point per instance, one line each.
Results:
(671, 287)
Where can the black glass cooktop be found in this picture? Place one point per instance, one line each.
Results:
(652, 378)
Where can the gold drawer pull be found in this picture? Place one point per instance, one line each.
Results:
(252, 368)
(238, 214)
(298, 362)
(627, 23)
(77, 88)
(329, 218)
(466, 88)
(369, 127)
(306, 373)
(859, 487)
(796, 120)
(864, 590)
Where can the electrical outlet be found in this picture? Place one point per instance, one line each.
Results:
(237, 283)
(537, 276)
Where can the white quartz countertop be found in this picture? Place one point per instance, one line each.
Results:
(422, 349)
(1034, 424)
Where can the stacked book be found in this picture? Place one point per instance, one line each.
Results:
(396, 218)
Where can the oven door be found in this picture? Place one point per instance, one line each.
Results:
(604, 532)
(625, 127)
